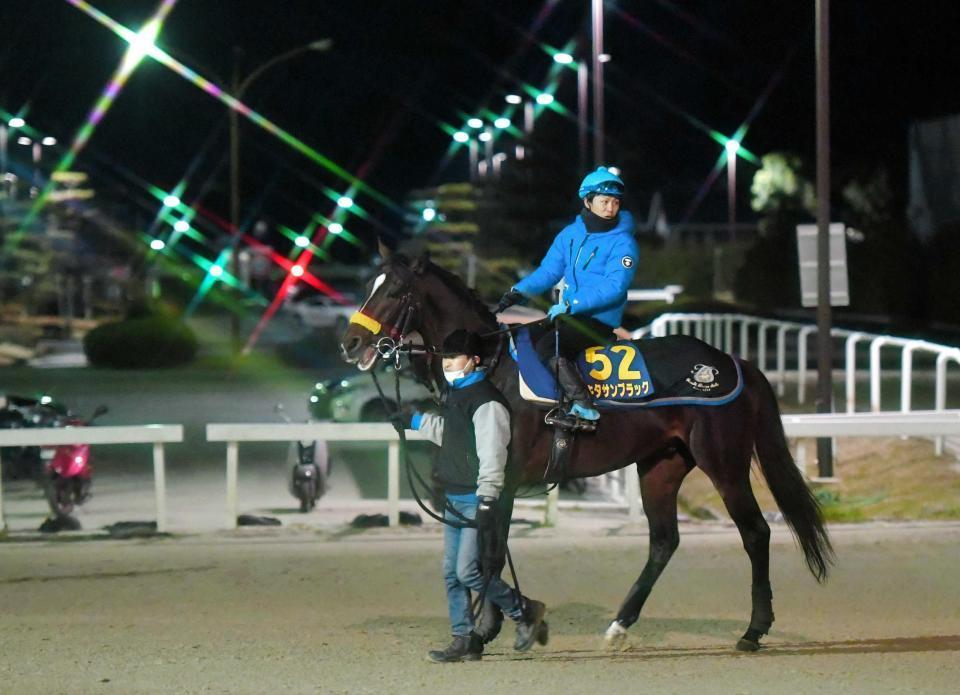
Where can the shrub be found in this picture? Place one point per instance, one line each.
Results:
(151, 341)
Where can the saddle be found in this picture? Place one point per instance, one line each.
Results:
(628, 374)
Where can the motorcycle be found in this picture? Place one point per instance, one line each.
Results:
(311, 468)
(69, 473)
(27, 462)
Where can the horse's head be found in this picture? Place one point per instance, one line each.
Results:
(391, 309)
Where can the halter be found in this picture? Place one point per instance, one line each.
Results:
(405, 316)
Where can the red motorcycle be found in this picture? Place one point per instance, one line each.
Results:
(69, 474)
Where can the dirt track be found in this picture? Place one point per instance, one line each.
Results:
(289, 611)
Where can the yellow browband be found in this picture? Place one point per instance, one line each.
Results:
(366, 322)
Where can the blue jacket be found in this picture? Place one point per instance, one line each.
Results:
(597, 267)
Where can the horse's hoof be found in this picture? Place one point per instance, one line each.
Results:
(616, 636)
(750, 642)
(543, 634)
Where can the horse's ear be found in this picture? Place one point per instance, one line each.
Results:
(420, 263)
(384, 250)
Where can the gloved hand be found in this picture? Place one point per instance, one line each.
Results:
(557, 309)
(403, 419)
(508, 300)
(399, 422)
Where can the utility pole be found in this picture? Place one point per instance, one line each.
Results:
(824, 342)
(598, 153)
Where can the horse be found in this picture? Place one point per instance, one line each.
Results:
(665, 443)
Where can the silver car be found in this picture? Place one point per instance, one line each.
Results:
(321, 311)
(353, 397)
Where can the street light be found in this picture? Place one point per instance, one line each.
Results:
(16, 122)
(513, 99)
(582, 79)
(732, 147)
(238, 87)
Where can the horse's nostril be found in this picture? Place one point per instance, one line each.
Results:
(352, 344)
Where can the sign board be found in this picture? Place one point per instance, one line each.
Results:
(807, 255)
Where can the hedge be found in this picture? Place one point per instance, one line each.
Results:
(151, 341)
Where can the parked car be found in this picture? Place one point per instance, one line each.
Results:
(352, 397)
(321, 311)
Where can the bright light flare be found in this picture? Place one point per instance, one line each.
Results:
(460, 136)
(157, 245)
(502, 122)
(475, 123)
(181, 226)
(16, 122)
(429, 214)
(49, 141)
(513, 99)
(171, 201)
(563, 58)
(216, 271)
(335, 228)
(302, 241)
(345, 201)
(544, 99)
(296, 271)
(732, 147)
(484, 137)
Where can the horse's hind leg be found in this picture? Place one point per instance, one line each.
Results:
(745, 512)
(658, 489)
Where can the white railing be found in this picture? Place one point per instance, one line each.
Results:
(893, 424)
(235, 433)
(158, 435)
(732, 333)
(667, 294)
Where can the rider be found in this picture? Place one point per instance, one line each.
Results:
(473, 432)
(596, 256)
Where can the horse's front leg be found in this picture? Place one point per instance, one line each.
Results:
(658, 490)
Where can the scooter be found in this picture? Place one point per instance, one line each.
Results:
(69, 473)
(311, 468)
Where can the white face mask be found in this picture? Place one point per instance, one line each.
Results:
(454, 375)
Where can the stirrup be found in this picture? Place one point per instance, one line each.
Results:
(558, 418)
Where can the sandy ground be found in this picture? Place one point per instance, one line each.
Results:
(336, 611)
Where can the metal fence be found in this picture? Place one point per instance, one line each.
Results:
(747, 337)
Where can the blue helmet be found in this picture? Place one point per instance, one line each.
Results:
(601, 182)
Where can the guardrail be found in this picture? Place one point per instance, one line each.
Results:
(158, 435)
(720, 330)
(916, 424)
(234, 433)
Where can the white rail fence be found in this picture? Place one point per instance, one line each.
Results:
(913, 424)
(747, 337)
(157, 435)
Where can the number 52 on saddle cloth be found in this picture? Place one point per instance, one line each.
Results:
(674, 370)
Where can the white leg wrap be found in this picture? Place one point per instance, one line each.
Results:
(616, 634)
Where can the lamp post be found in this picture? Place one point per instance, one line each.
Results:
(5, 132)
(238, 87)
(732, 147)
(599, 58)
(582, 80)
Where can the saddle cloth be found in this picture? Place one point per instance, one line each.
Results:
(674, 370)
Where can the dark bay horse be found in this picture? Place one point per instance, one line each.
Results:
(665, 443)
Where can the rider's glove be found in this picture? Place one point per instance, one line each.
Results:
(508, 300)
(557, 309)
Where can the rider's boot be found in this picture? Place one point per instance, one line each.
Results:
(575, 391)
(462, 648)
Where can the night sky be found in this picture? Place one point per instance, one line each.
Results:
(397, 69)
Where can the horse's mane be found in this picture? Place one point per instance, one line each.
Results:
(459, 287)
(453, 282)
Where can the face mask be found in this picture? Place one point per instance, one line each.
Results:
(453, 376)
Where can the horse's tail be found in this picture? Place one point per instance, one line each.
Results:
(798, 504)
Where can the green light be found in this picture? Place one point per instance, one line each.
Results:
(302, 241)
(335, 228)
(345, 201)
(171, 201)
(181, 226)
(157, 245)
(216, 271)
